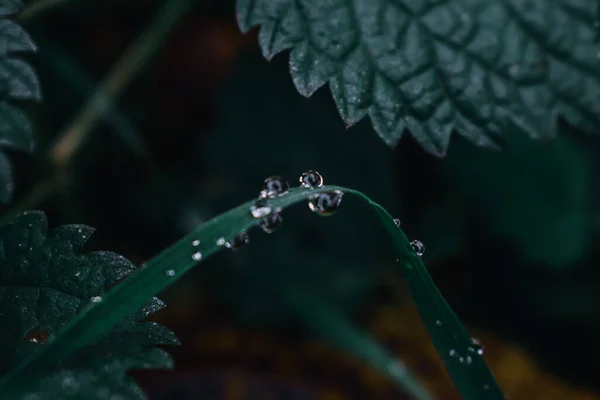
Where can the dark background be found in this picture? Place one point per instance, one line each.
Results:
(509, 235)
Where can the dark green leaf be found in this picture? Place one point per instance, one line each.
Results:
(45, 282)
(10, 7)
(18, 81)
(454, 345)
(433, 67)
(6, 182)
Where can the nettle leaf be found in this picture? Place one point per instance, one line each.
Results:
(44, 283)
(18, 81)
(437, 66)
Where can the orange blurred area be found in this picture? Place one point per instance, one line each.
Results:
(335, 375)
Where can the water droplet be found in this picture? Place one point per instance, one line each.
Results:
(311, 179)
(260, 208)
(469, 360)
(238, 241)
(486, 387)
(271, 222)
(78, 273)
(418, 247)
(37, 336)
(478, 346)
(196, 243)
(171, 272)
(220, 241)
(197, 256)
(452, 353)
(325, 204)
(397, 222)
(96, 299)
(461, 360)
(438, 322)
(275, 186)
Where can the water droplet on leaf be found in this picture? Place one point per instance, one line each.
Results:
(260, 208)
(452, 353)
(469, 360)
(196, 243)
(478, 346)
(37, 336)
(275, 186)
(220, 241)
(238, 241)
(438, 322)
(397, 222)
(271, 222)
(311, 179)
(171, 272)
(197, 256)
(325, 204)
(418, 247)
(96, 299)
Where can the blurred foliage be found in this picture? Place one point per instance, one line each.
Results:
(18, 81)
(534, 195)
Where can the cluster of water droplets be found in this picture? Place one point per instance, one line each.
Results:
(324, 204)
(270, 219)
(417, 246)
(196, 256)
(472, 351)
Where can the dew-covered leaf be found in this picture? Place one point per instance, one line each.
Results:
(470, 66)
(18, 81)
(45, 282)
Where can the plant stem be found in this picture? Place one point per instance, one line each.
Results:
(138, 54)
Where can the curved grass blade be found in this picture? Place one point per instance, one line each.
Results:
(330, 325)
(466, 368)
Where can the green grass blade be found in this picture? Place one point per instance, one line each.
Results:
(472, 378)
(466, 367)
(332, 326)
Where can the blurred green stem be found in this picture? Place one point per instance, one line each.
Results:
(69, 141)
(333, 327)
(67, 68)
(138, 54)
